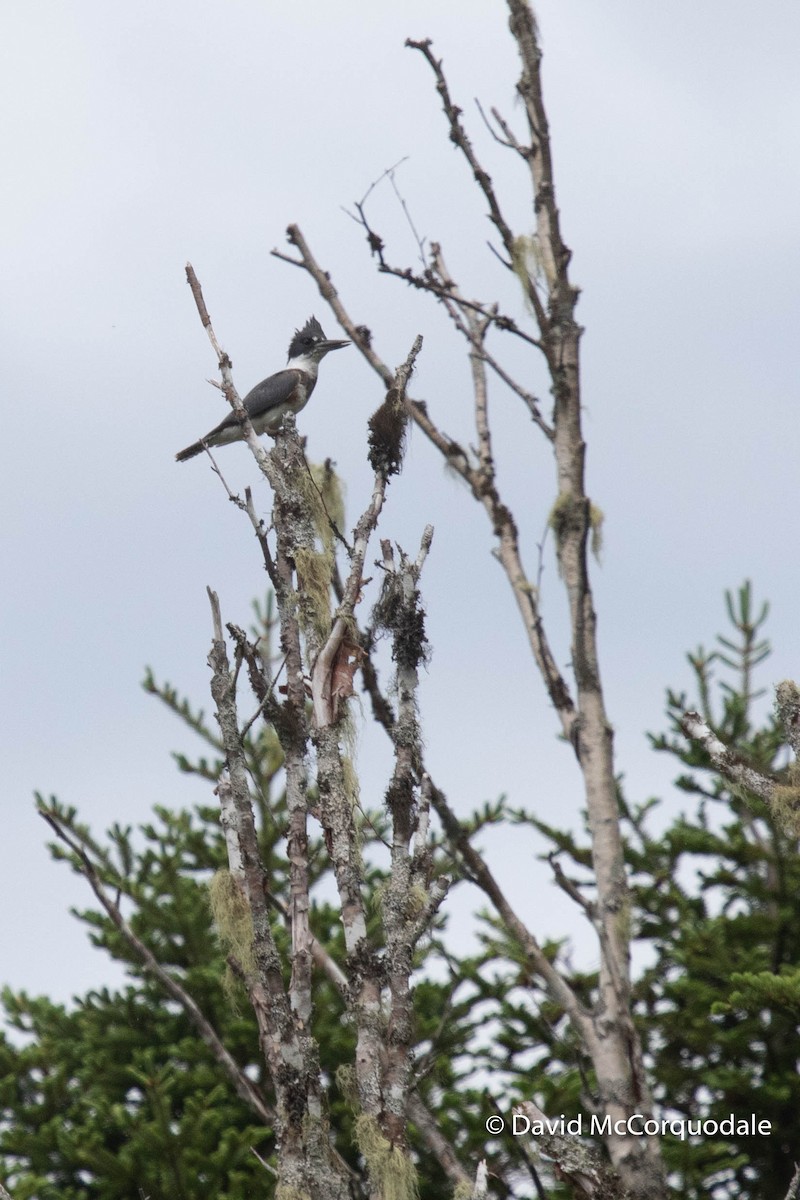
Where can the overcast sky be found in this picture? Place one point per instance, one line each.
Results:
(135, 137)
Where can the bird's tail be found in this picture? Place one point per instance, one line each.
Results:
(189, 452)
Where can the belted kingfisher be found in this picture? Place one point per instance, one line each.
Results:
(269, 401)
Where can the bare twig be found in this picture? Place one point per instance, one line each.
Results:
(570, 889)
(389, 174)
(383, 175)
(270, 1170)
(226, 371)
(511, 139)
(491, 129)
(261, 535)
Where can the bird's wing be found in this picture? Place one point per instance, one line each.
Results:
(271, 393)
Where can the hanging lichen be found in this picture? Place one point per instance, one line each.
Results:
(596, 519)
(287, 1191)
(391, 1171)
(327, 501)
(314, 586)
(234, 924)
(786, 802)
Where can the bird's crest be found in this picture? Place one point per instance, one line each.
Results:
(306, 339)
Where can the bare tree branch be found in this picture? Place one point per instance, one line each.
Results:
(245, 1089)
(780, 794)
(473, 323)
(731, 766)
(436, 1141)
(794, 1187)
(582, 1166)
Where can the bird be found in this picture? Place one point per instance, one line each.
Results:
(286, 391)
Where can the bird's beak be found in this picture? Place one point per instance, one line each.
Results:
(331, 345)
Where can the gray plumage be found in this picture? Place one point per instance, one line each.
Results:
(286, 391)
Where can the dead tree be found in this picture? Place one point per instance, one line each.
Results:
(321, 654)
(540, 261)
(324, 645)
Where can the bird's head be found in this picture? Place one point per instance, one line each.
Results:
(310, 342)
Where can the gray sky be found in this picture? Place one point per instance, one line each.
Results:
(136, 137)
